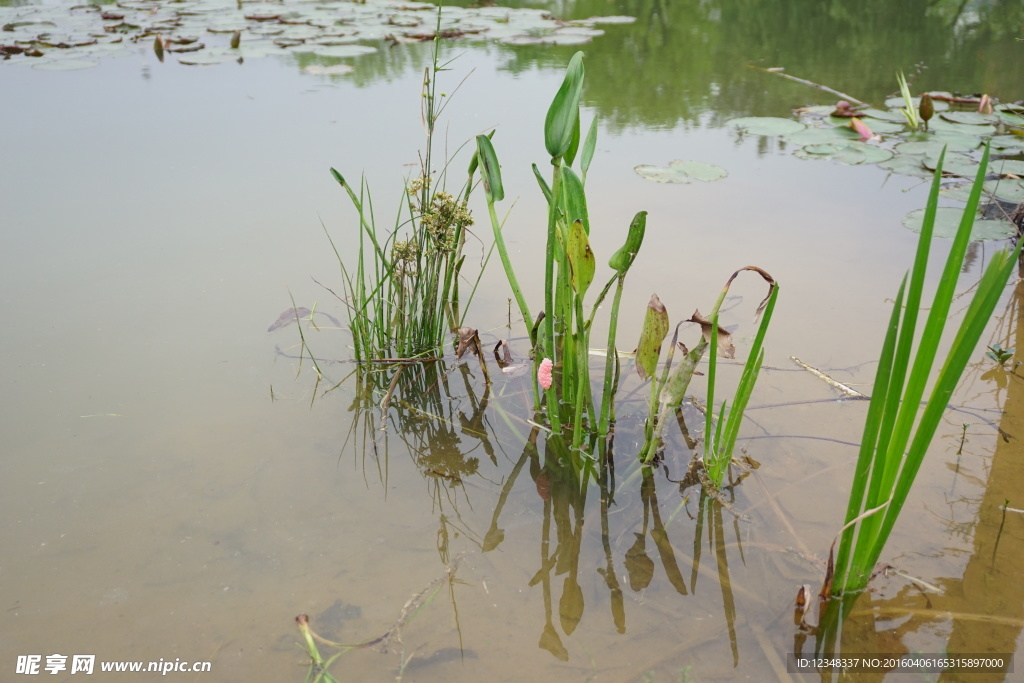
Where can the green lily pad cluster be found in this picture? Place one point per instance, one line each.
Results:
(198, 32)
(887, 141)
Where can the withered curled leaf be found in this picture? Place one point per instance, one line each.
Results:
(726, 349)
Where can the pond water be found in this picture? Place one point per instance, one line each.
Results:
(178, 486)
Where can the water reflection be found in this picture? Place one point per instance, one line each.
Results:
(687, 58)
(453, 436)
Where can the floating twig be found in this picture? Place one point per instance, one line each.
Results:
(852, 393)
(778, 72)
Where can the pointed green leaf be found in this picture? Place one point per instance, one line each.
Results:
(574, 199)
(589, 145)
(648, 351)
(574, 145)
(562, 119)
(490, 171)
(581, 258)
(544, 187)
(623, 258)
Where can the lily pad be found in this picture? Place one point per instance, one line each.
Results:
(681, 172)
(942, 125)
(953, 164)
(1008, 143)
(610, 20)
(881, 127)
(896, 103)
(826, 135)
(1006, 189)
(206, 58)
(969, 117)
(1004, 166)
(766, 125)
(947, 222)
(907, 164)
(851, 153)
(38, 27)
(332, 70)
(340, 50)
(889, 115)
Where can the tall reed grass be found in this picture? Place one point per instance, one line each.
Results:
(897, 430)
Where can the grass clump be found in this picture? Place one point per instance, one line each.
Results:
(897, 430)
(403, 292)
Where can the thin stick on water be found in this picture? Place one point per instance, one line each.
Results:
(778, 72)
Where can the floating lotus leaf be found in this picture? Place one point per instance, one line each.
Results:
(1007, 189)
(934, 141)
(885, 127)
(610, 20)
(969, 117)
(896, 103)
(939, 124)
(52, 27)
(1004, 166)
(205, 58)
(682, 172)
(907, 164)
(1011, 118)
(861, 153)
(1008, 143)
(954, 164)
(559, 38)
(959, 164)
(885, 115)
(826, 135)
(817, 110)
(947, 221)
(929, 147)
(766, 125)
(855, 152)
(339, 50)
(325, 70)
(877, 126)
(958, 142)
(580, 31)
(820, 150)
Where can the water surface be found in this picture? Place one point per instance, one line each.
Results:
(177, 485)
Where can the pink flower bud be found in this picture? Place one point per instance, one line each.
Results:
(544, 374)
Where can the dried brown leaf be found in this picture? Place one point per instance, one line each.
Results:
(468, 341)
(726, 349)
(504, 359)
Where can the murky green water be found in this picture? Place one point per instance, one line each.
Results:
(177, 486)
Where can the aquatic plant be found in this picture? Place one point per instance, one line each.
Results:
(897, 431)
(667, 393)
(403, 295)
(1000, 355)
(909, 111)
(561, 333)
(906, 139)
